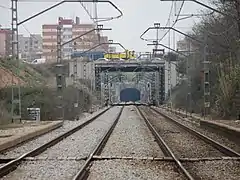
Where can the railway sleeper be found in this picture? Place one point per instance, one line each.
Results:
(164, 158)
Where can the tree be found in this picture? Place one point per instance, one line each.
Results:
(172, 56)
(222, 41)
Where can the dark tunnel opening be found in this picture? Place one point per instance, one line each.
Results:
(130, 94)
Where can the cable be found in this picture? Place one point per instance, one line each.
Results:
(169, 16)
(29, 32)
(87, 11)
(168, 21)
(174, 21)
(94, 19)
(4, 7)
(1, 6)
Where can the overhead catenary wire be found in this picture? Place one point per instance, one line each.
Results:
(5, 7)
(170, 13)
(176, 20)
(94, 18)
(168, 21)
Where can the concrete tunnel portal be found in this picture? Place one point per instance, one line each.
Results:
(130, 94)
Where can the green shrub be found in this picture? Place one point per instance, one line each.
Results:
(46, 99)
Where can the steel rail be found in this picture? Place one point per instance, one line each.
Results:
(24, 142)
(220, 147)
(162, 144)
(12, 165)
(83, 172)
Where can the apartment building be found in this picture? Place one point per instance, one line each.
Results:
(30, 47)
(70, 30)
(5, 42)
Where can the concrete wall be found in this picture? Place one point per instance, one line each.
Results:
(80, 69)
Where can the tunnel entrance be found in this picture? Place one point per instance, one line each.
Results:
(130, 94)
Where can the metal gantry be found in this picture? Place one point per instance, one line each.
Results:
(144, 73)
(157, 27)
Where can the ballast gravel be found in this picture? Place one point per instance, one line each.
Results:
(52, 170)
(131, 137)
(81, 143)
(182, 143)
(133, 169)
(214, 170)
(28, 146)
(217, 137)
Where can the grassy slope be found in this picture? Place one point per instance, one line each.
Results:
(26, 73)
(35, 89)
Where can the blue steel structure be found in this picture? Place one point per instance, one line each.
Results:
(92, 56)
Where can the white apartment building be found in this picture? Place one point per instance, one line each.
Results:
(30, 48)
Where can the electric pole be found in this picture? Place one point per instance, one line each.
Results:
(189, 96)
(16, 109)
(60, 76)
(206, 81)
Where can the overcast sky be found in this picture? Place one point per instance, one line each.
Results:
(138, 16)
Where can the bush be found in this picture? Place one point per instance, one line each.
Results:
(46, 99)
(4, 114)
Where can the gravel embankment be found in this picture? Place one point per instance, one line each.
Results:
(81, 143)
(133, 169)
(214, 170)
(131, 137)
(28, 146)
(182, 143)
(217, 137)
(52, 170)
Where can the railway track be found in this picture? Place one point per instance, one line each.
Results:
(221, 138)
(83, 172)
(121, 143)
(12, 165)
(136, 157)
(186, 167)
(222, 149)
(16, 151)
(165, 147)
